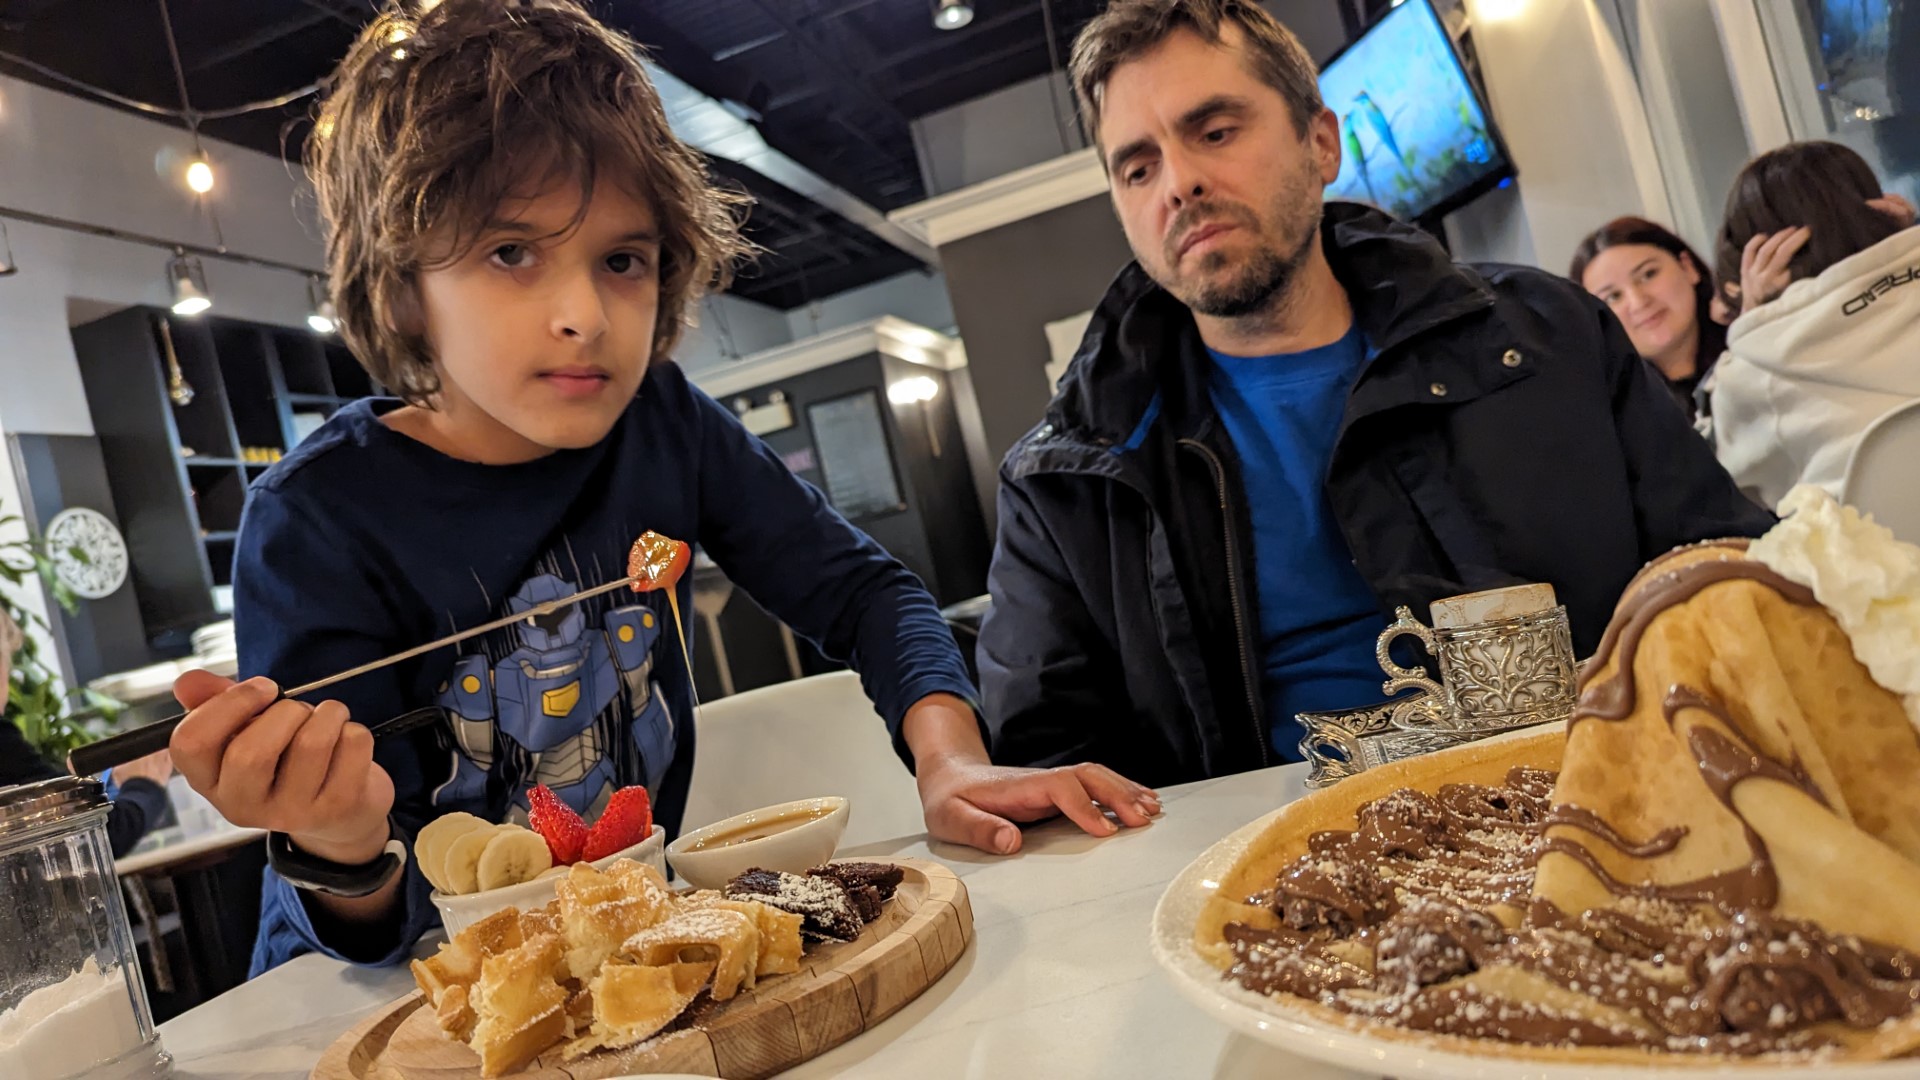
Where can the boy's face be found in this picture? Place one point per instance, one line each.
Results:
(541, 336)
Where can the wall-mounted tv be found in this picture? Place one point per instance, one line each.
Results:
(1414, 135)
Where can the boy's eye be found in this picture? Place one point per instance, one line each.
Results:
(512, 256)
(1218, 135)
(627, 264)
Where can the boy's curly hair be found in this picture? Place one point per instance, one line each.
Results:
(441, 111)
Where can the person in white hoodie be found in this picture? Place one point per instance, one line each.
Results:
(1825, 270)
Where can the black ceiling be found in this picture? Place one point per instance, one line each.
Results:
(834, 84)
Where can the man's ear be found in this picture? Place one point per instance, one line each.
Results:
(1323, 136)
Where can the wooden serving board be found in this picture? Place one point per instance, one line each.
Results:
(840, 990)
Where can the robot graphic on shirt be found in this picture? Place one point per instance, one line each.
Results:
(548, 696)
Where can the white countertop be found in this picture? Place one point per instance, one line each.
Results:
(1058, 981)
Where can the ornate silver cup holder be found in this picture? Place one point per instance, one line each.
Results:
(1496, 676)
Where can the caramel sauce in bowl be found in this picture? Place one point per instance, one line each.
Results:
(790, 836)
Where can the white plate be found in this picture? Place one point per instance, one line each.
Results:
(1272, 1022)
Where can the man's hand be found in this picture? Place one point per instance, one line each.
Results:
(304, 770)
(969, 800)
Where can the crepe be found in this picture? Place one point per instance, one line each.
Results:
(1812, 775)
(1724, 867)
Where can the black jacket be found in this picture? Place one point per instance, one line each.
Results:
(1504, 432)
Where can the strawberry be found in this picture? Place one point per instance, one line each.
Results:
(627, 820)
(556, 823)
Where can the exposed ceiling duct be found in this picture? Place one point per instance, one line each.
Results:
(714, 128)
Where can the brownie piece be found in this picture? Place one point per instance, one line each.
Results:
(883, 877)
(827, 912)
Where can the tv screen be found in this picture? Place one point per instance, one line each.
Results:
(1414, 137)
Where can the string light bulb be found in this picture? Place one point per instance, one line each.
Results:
(321, 314)
(189, 279)
(200, 176)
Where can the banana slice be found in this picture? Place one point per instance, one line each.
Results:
(513, 855)
(462, 866)
(430, 847)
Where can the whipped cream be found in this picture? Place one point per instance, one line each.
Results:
(67, 1028)
(1857, 569)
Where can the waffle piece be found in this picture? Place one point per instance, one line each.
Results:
(456, 966)
(780, 944)
(632, 1002)
(729, 939)
(544, 919)
(822, 903)
(599, 912)
(522, 1007)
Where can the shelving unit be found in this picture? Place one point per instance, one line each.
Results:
(179, 473)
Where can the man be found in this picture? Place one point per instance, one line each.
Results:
(1288, 418)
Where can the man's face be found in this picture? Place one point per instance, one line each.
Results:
(542, 333)
(1218, 192)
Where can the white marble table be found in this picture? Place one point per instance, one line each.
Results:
(1058, 982)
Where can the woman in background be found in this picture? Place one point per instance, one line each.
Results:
(1662, 293)
(1820, 263)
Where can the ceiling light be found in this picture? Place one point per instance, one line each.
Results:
(190, 296)
(908, 391)
(200, 176)
(321, 314)
(953, 14)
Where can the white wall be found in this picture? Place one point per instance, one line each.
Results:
(1691, 107)
(73, 159)
(728, 328)
(995, 134)
(916, 296)
(1014, 127)
(1562, 90)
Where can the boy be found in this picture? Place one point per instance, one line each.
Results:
(514, 236)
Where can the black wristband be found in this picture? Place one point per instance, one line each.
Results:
(304, 870)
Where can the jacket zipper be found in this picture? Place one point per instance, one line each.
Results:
(1233, 595)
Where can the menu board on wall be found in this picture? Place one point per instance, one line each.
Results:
(850, 438)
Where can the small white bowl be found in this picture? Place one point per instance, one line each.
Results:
(794, 850)
(459, 912)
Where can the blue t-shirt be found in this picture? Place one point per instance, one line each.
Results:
(1318, 617)
(364, 542)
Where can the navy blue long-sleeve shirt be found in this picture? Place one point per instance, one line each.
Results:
(363, 542)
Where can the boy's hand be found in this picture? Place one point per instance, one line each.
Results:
(976, 802)
(969, 800)
(285, 766)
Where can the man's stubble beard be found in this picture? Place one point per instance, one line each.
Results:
(1268, 273)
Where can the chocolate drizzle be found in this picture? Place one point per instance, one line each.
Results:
(1404, 947)
(1579, 817)
(1613, 698)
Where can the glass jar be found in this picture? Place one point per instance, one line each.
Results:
(72, 1003)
